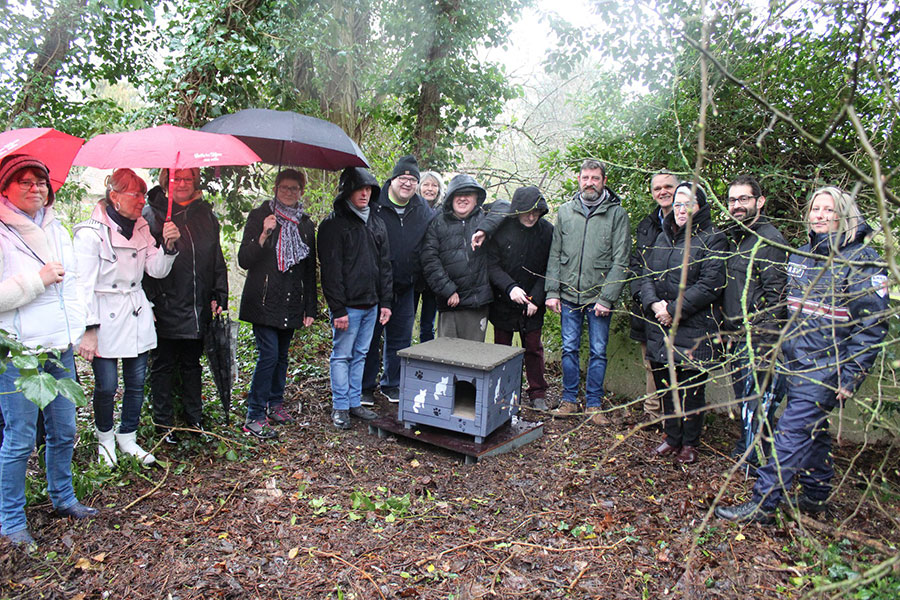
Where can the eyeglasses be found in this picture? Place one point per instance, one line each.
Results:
(741, 200)
(131, 194)
(289, 189)
(183, 180)
(407, 180)
(28, 184)
(683, 205)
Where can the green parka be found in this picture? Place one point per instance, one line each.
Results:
(589, 253)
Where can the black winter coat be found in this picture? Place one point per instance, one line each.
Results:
(700, 313)
(271, 297)
(765, 287)
(449, 263)
(405, 234)
(517, 256)
(644, 237)
(835, 307)
(181, 300)
(355, 260)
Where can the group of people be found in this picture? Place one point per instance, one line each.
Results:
(145, 274)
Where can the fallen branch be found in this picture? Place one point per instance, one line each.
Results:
(435, 557)
(847, 533)
(150, 493)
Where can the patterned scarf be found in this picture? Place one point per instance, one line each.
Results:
(291, 248)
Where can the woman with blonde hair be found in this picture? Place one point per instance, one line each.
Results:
(114, 249)
(838, 308)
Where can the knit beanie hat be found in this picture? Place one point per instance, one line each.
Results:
(14, 163)
(407, 165)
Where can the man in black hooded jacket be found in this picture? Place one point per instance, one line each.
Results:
(517, 263)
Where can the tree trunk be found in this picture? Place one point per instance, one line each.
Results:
(60, 29)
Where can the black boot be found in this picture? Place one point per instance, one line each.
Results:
(748, 512)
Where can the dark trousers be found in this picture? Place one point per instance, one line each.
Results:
(684, 430)
(763, 393)
(170, 358)
(397, 335)
(802, 446)
(106, 381)
(427, 315)
(534, 358)
(270, 374)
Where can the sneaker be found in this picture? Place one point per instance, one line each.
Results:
(171, 438)
(539, 403)
(567, 409)
(77, 511)
(361, 412)
(200, 431)
(260, 429)
(22, 539)
(279, 416)
(341, 419)
(748, 512)
(392, 393)
(367, 399)
(597, 416)
(811, 507)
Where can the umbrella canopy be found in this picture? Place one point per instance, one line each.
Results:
(219, 348)
(165, 146)
(54, 148)
(288, 138)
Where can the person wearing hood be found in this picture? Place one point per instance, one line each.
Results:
(517, 262)
(405, 215)
(586, 271)
(753, 302)
(456, 270)
(115, 249)
(687, 230)
(279, 252)
(355, 258)
(838, 307)
(41, 307)
(662, 189)
(185, 300)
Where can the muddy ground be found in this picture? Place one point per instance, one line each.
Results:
(583, 512)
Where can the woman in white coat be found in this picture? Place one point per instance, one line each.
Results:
(114, 248)
(40, 306)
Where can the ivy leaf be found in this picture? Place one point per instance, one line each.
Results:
(71, 390)
(40, 389)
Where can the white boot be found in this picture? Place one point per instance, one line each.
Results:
(128, 445)
(106, 447)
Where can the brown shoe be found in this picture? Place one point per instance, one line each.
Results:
(687, 455)
(665, 449)
(567, 409)
(597, 416)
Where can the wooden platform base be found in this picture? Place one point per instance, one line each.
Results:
(506, 438)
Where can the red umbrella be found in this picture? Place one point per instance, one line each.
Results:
(165, 146)
(54, 148)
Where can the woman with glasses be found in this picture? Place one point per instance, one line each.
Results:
(40, 306)
(838, 309)
(114, 249)
(279, 252)
(698, 323)
(431, 188)
(184, 301)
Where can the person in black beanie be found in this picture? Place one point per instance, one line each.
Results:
(405, 215)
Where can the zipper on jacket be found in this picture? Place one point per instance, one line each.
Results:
(193, 272)
(581, 260)
(265, 289)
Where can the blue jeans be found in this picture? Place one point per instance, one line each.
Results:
(18, 441)
(427, 315)
(348, 356)
(267, 387)
(106, 380)
(571, 321)
(397, 336)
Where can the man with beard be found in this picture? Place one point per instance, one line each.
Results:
(754, 308)
(662, 189)
(586, 271)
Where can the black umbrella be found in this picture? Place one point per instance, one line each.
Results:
(218, 346)
(288, 138)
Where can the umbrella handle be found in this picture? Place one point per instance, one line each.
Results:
(169, 196)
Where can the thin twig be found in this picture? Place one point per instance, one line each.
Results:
(150, 493)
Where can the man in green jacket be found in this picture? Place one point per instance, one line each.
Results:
(585, 275)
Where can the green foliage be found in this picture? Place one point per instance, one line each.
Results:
(37, 386)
